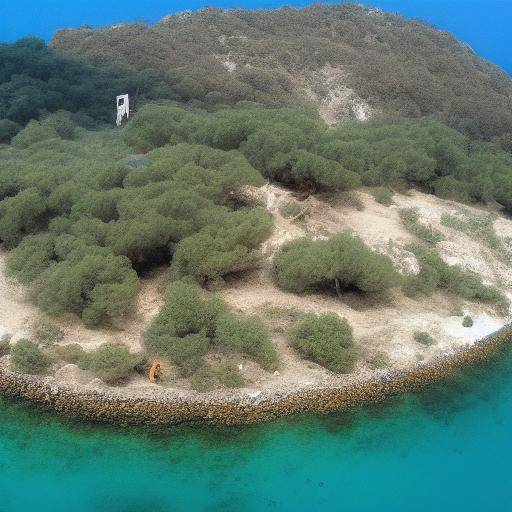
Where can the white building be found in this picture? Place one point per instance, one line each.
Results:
(123, 108)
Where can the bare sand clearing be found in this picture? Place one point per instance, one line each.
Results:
(381, 328)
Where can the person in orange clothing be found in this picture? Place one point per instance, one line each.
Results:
(155, 373)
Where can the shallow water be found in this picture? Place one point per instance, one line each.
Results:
(449, 449)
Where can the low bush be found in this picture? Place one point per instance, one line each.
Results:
(211, 376)
(229, 376)
(290, 209)
(27, 357)
(185, 325)
(46, 332)
(327, 340)
(424, 338)
(8, 129)
(467, 321)
(247, 335)
(380, 360)
(111, 363)
(382, 195)
(436, 274)
(71, 353)
(218, 250)
(187, 352)
(204, 379)
(410, 219)
(341, 262)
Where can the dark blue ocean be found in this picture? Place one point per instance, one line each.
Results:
(483, 24)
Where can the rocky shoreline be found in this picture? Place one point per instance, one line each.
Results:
(115, 406)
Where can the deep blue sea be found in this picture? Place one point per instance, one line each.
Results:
(446, 450)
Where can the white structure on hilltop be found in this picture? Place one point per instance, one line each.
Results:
(123, 108)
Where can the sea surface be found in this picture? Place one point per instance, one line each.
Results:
(449, 449)
(483, 24)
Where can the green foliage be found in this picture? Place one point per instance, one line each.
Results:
(424, 338)
(249, 336)
(383, 195)
(403, 68)
(26, 357)
(217, 250)
(380, 360)
(72, 353)
(33, 133)
(184, 326)
(204, 379)
(480, 227)
(46, 332)
(290, 209)
(410, 218)
(436, 274)
(467, 321)
(326, 339)
(35, 80)
(343, 261)
(8, 129)
(32, 257)
(229, 376)
(98, 287)
(111, 363)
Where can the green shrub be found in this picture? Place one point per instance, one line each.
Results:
(218, 250)
(111, 363)
(424, 338)
(8, 129)
(410, 218)
(341, 262)
(205, 379)
(467, 321)
(187, 352)
(71, 353)
(183, 328)
(290, 209)
(327, 340)
(46, 332)
(436, 274)
(380, 360)
(383, 195)
(247, 335)
(26, 357)
(97, 287)
(32, 257)
(32, 133)
(229, 376)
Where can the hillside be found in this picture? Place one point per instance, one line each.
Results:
(348, 60)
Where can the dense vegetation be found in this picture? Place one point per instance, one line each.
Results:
(82, 217)
(35, 80)
(278, 57)
(326, 339)
(293, 146)
(189, 324)
(338, 263)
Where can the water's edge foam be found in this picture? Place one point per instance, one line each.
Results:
(108, 407)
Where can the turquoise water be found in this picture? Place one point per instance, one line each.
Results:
(448, 450)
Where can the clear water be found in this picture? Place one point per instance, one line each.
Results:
(446, 450)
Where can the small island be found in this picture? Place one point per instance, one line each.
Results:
(275, 241)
